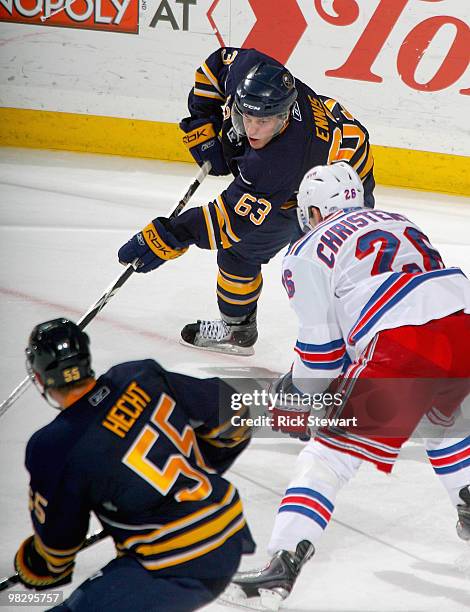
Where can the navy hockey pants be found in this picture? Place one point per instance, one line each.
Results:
(239, 281)
(125, 586)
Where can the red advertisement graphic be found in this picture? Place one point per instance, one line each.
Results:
(279, 26)
(110, 15)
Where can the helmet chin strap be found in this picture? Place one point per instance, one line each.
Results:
(40, 387)
(50, 400)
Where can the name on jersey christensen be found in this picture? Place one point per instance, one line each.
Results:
(126, 410)
(336, 235)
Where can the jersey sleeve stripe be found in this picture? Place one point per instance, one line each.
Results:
(200, 77)
(55, 564)
(368, 165)
(209, 74)
(207, 94)
(209, 227)
(56, 552)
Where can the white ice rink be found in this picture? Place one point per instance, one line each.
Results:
(391, 545)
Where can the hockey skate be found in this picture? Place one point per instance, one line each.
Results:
(267, 588)
(463, 510)
(230, 335)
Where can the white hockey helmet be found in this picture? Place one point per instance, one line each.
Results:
(328, 188)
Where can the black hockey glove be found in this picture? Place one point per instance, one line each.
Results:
(152, 246)
(204, 145)
(34, 571)
(290, 409)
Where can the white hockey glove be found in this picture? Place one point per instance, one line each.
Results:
(290, 408)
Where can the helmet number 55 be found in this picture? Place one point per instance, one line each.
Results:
(243, 208)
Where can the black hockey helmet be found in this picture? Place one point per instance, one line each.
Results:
(266, 90)
(58, 354)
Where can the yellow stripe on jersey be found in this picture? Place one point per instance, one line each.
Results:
(239, 288)
(216, 431)
(56, 551)
(197, 552)
(207, 94)
(244, 429)
(209, 74)
(55, 564)
(361, 159)
(354, 131)
(221, 206)
(234, 435)
(181, 523)
(196, 535)
(328, 106)
(368, 167)
(223, 236)
(201, 78)
(209, 227)
(289, 204)
(31, 576)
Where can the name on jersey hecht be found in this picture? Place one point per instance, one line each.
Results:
(332, 238)
(76, 11)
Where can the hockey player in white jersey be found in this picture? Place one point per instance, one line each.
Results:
(384, 323)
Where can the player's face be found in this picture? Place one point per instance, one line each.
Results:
(260, 130)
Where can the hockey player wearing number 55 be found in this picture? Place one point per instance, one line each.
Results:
(145, 450)
(383, 322)
(250, 117)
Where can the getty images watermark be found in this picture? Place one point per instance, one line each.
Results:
(295, 403)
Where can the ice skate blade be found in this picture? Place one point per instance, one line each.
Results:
(226, 349)
(234, 597)
(463, 532)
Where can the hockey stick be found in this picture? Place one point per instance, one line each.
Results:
(113, 288)
(6, 583)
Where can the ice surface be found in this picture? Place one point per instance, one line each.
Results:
(391, 545)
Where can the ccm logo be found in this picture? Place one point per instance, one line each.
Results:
(111, 15)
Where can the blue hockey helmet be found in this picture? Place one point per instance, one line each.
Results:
(266, 90)
(58, 354)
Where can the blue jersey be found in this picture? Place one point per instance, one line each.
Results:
(319, 131)
(144, 450)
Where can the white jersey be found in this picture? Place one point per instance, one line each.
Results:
(358, 272)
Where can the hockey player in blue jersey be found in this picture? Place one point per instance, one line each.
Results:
(144, 449)
(251, 118)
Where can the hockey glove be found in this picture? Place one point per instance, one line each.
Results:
(290, 408)
(154, 245)
(204, 145)
(35, 572)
